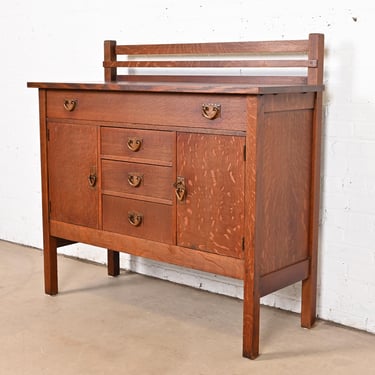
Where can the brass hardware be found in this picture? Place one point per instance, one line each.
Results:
(180, 188)
(92, 176)
(134, 179)
(211, 111)
(134, 144)
(70, 104)
(135, 218)
(92, 179)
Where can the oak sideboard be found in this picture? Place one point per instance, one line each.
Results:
(203, 155)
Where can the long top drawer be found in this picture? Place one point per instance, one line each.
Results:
(172, 109)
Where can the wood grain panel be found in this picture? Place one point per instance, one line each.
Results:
(284, 178)
(157, 147)
(278, 46)
(285, 276)
(163, 252)
(211, 218)
(72, 157)
(156, 218)
(156, 181)
(207, 85)
(289, 102)
(148, 108)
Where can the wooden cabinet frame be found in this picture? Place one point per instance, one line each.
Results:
(241, 156)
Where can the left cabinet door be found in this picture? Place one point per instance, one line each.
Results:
(73, 175)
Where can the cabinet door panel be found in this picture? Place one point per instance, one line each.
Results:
(72, 159)
(211, 215)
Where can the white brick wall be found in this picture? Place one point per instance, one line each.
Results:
(49, 41)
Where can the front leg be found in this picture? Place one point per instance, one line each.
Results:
(251, 318)
(50, 265)
(113, 258)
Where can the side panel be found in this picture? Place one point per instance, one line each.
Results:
(284, 177)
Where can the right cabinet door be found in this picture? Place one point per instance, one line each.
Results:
(210, 217)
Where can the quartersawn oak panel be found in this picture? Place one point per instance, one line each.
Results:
(156, 222)
(156, 181)
(157, 147)
(149, 108)
(284, 177)
(211, 218)
(162, 252)
(72, 157)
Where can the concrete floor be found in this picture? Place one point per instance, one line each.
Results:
(138, 325)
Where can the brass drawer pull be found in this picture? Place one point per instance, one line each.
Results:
(92, 177)
(70, 104)
(134, 179)
(134, 144)
(180, 188)
(211, 111)
(135, 218)
(92, 180)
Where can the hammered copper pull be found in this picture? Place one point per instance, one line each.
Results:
(70, 104)
(180, 188)
(134, 179)
(134, 144)
(211, 111)
(135, 218)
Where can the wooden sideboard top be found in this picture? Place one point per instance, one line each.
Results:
(180, 87)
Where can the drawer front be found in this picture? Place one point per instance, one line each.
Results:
(136, 178)
(136, 218)
(173, 109)
(139, 145)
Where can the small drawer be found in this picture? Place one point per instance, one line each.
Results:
(149, 146)
(216, 111)
(138, 179)
(147, 220)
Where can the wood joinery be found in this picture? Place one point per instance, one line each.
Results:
(218, 173)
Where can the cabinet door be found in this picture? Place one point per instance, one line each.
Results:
(72, 169)
(210, 217)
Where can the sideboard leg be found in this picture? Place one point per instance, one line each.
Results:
(309, 286)
(251, 315)
(50, 265)
(113, 258)
(308, 309)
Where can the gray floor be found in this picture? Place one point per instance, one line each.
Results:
(138, 325)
